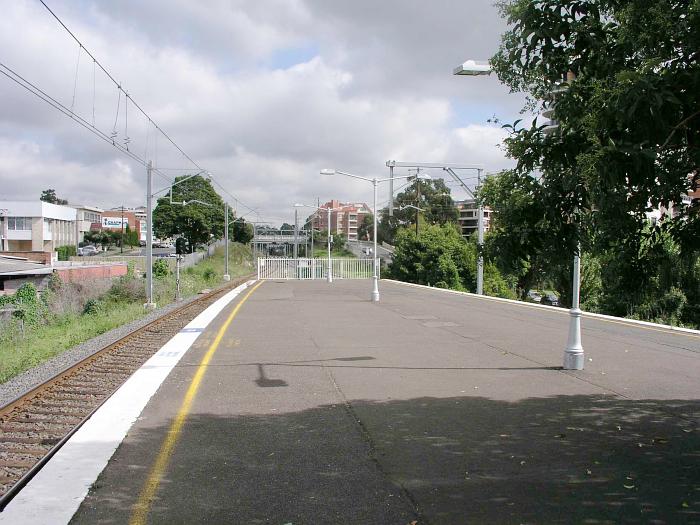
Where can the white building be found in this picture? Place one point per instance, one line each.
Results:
(86, 217)
(36, 226)
(469, 217)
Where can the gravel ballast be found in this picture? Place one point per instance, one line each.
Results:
(29, 379)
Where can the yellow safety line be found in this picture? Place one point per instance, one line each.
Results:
(143, 504)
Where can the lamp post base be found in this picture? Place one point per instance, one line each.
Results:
(573, 354)
(227, 277)
(375, 289)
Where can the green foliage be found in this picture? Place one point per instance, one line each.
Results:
(438, 256)
(198, 223)
(55, 283)
(29, 307)
(628, 138)
(64, 252)
(495, 284)
(131, 237)
(366, 228)
(242, 231)
(93, 307)
(50, 197)
(160, 269)
(433, 196)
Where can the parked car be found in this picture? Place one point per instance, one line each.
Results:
(87, 250)
(550, 298)
(533, 296)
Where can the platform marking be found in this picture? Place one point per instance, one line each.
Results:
(143, 504)
(56, 492)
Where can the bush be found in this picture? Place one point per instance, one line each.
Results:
(64, 252)
(209, 274)
(161, 269)
(128, 289)
(29, 308)
(92, 307)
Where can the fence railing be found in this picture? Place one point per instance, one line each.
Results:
(303, 268)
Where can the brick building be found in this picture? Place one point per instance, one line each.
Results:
(345, 217)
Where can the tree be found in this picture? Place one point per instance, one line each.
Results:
(628, 134)
(365, 228)
(50, 196)
(438, 256)
(242, 231)
(197, 222)
(433, 196)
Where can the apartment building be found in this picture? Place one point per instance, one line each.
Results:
(345, 217)
(36, 226)
(469, 217)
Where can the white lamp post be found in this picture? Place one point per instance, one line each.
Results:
(374, 181)
(573, 353)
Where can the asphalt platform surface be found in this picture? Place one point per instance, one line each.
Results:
(322, 407)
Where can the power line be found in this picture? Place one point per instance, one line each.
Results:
(119, 87)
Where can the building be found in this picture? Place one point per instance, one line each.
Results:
(117, 219)
(136, 219)
(469, 217)
(88, 218)
(36, 226)
(345, 218)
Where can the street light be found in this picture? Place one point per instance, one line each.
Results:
(573, 353)
(374, 181)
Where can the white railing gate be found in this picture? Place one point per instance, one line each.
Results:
(303, 268)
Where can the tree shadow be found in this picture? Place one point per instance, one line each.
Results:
(564, 459)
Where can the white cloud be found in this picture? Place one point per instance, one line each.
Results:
(377, 89)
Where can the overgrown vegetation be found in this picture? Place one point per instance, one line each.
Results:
(622, 79)
(66, 314)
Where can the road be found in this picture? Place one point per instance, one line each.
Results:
(356, 248)
(322, 407)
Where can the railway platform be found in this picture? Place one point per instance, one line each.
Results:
(303, 402)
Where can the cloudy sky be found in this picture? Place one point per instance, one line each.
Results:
(263, 93)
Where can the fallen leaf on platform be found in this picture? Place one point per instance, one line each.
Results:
(588, 471)
(628, 486)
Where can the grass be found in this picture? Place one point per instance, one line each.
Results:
(21, 350)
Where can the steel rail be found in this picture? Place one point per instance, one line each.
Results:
(16, 404)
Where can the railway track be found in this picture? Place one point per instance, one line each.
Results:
(36, 424)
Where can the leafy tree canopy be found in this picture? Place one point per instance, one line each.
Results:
(629, 135)
(50, 196)
(198, 223)
(433, 196)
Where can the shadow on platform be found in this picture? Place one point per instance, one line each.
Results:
(565, 459)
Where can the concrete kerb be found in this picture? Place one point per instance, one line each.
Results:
(564, 311)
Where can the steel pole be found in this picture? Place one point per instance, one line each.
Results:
(480, 241)
(227, 276)
(329, 277)
(375, 277)
(177, 278)
(150, 304)
(573, 355)
(296, 233)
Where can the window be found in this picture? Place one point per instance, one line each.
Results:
(19, 223)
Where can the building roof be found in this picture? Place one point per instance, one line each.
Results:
(21, 266)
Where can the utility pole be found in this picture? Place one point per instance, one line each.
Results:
(330, 266)
(480, 239)
(121, 242)
(296, 233)
(150, 304)
(227, 276)
(418, 199)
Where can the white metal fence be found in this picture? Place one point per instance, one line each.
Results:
(289, 268)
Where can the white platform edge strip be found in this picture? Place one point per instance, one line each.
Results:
(56, 492)
(555, 309)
